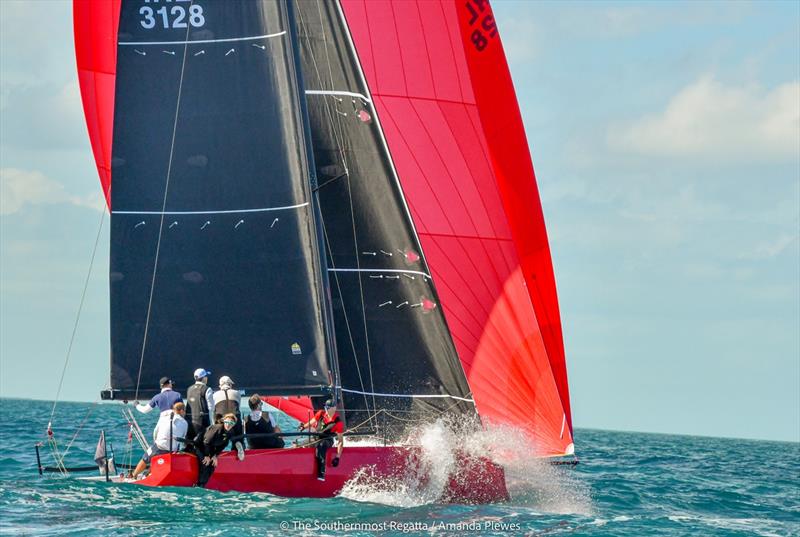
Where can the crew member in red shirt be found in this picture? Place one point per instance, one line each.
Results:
(330, 425)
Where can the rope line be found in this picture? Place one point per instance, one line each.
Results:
(78, 430)
(78, 314)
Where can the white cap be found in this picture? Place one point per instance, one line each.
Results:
(200, 373)
(225, 381)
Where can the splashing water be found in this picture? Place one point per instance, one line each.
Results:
(423, 483)
(531, 482)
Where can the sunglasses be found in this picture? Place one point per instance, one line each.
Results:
(229, 422)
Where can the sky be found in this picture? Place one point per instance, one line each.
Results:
(666, 143)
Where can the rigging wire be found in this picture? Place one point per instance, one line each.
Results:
(78, 430)
(77, 317)
(163, 208)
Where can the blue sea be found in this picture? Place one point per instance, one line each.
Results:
(627, 484)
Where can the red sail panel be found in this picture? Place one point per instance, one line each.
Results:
(297, 407)
(444, 96)
(95, 24)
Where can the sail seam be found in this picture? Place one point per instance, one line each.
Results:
(201, 41)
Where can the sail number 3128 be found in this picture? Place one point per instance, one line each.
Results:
(176, 17)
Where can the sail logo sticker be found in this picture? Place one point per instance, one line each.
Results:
(296, 349)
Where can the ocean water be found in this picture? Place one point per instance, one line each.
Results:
(627, 484)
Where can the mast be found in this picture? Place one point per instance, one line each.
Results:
(326, 305)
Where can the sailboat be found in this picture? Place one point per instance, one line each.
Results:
(324, 198)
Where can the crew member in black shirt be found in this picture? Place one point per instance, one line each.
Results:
(257, 423)
(215, 440)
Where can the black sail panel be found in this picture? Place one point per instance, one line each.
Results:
(394, 347)
(210, 176)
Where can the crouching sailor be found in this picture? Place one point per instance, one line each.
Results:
(262, 425)
(330, 426)
(170, 428)
(214, 442)
(226, 401)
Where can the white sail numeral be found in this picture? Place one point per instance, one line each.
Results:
(171, 18)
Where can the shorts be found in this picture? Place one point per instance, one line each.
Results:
(152, 451)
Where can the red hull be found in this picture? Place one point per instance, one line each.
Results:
(292, 473)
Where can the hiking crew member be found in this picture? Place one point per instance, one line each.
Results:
(170, 427)
(261, 423)
(163, 400)
(200, 401)
(329, 424)
(215, 441)
(226, 401)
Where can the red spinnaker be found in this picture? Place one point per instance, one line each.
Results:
(95, 24)
(445, 99)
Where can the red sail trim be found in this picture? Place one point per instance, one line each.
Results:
(453, 128)
(95, 24)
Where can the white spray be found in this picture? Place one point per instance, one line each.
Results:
(531, 482)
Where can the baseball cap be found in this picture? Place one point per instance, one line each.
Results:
(200, 373)
(165, 380)
(225, 381)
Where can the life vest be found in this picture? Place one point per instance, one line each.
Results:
(197, 407)
(226, 406)
(325, 424)
(262, 426)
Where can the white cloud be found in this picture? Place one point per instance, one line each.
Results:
(19, 188)
(770, 249)
(710, 119)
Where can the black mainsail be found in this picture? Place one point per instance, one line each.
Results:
(214, 254)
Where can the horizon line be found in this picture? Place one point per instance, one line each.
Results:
(585, 428)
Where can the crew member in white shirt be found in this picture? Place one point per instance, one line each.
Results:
(170, 427)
